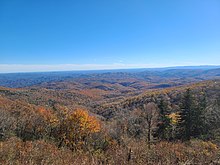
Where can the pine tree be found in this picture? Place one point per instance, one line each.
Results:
(186, 115)
(192, 116)
(199, 126)
(164, 125)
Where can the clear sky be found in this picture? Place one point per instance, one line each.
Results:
(40, 35)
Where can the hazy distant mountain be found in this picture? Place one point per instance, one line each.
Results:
(170, 75)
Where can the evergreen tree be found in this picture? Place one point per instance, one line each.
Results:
(164, 124)
(192, 122)
(199, 126)
(187, 116)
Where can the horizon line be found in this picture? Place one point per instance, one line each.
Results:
(34, 68)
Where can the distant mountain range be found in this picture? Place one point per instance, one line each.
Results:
(168, 76)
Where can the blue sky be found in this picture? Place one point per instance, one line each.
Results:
(46, 35)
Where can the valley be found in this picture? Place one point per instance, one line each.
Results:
(112, 114)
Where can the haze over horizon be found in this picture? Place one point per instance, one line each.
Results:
(95, 35)
(91, 67)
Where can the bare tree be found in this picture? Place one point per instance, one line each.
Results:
(7, 124)
(150, 114)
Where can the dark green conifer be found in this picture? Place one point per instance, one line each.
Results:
(164, 125)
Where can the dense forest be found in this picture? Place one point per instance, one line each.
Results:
(135, 117)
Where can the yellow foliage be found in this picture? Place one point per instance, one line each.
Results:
(78, 126)
(84, 122)
(175, 117)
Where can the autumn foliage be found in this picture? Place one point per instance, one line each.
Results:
(50, 131)
(77, 127)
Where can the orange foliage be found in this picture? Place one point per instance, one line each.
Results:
(78, 127)
(84, 122)
(48, 116)
(43, 112)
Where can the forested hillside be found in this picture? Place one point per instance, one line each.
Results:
(156, 77)
(110, 121)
